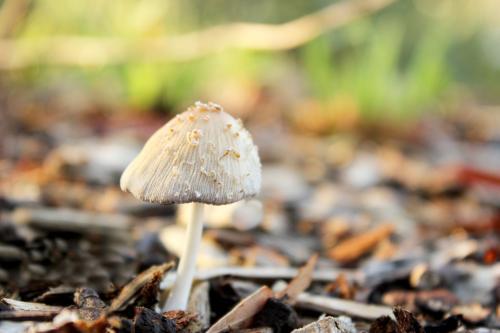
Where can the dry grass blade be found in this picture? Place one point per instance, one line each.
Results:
(300, 282)
(242, 313)
(132, 289)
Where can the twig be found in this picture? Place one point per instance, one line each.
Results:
(89, 51)
(336, 306)
(274, 273)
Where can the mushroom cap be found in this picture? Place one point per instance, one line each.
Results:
(202, 155)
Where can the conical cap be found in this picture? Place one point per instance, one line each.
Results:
(202, 155)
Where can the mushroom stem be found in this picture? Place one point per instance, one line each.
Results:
(178, 297)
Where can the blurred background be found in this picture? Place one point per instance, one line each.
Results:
(367, 113)
(347, 62)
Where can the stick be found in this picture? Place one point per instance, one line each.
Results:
(336, 306)
(274, 273)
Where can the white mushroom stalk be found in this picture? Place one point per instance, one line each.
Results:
(204, 156)
(179, 295)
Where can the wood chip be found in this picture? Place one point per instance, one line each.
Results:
(355, 247)
(257, 330)
(300, 282)
(29, 306)
(132, 290)
(19, 315)
(241, 315)
(185, 322)
(11, 253)
(341, 287)
(90, 305)
(199, 303)
(328, 325)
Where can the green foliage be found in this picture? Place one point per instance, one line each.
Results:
(381, 78)
(393, 65)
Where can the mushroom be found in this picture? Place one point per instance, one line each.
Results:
(202, 156)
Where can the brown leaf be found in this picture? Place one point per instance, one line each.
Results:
(241, 315)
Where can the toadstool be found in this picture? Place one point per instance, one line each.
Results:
(202, 156)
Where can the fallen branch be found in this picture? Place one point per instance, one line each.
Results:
(96, 51)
